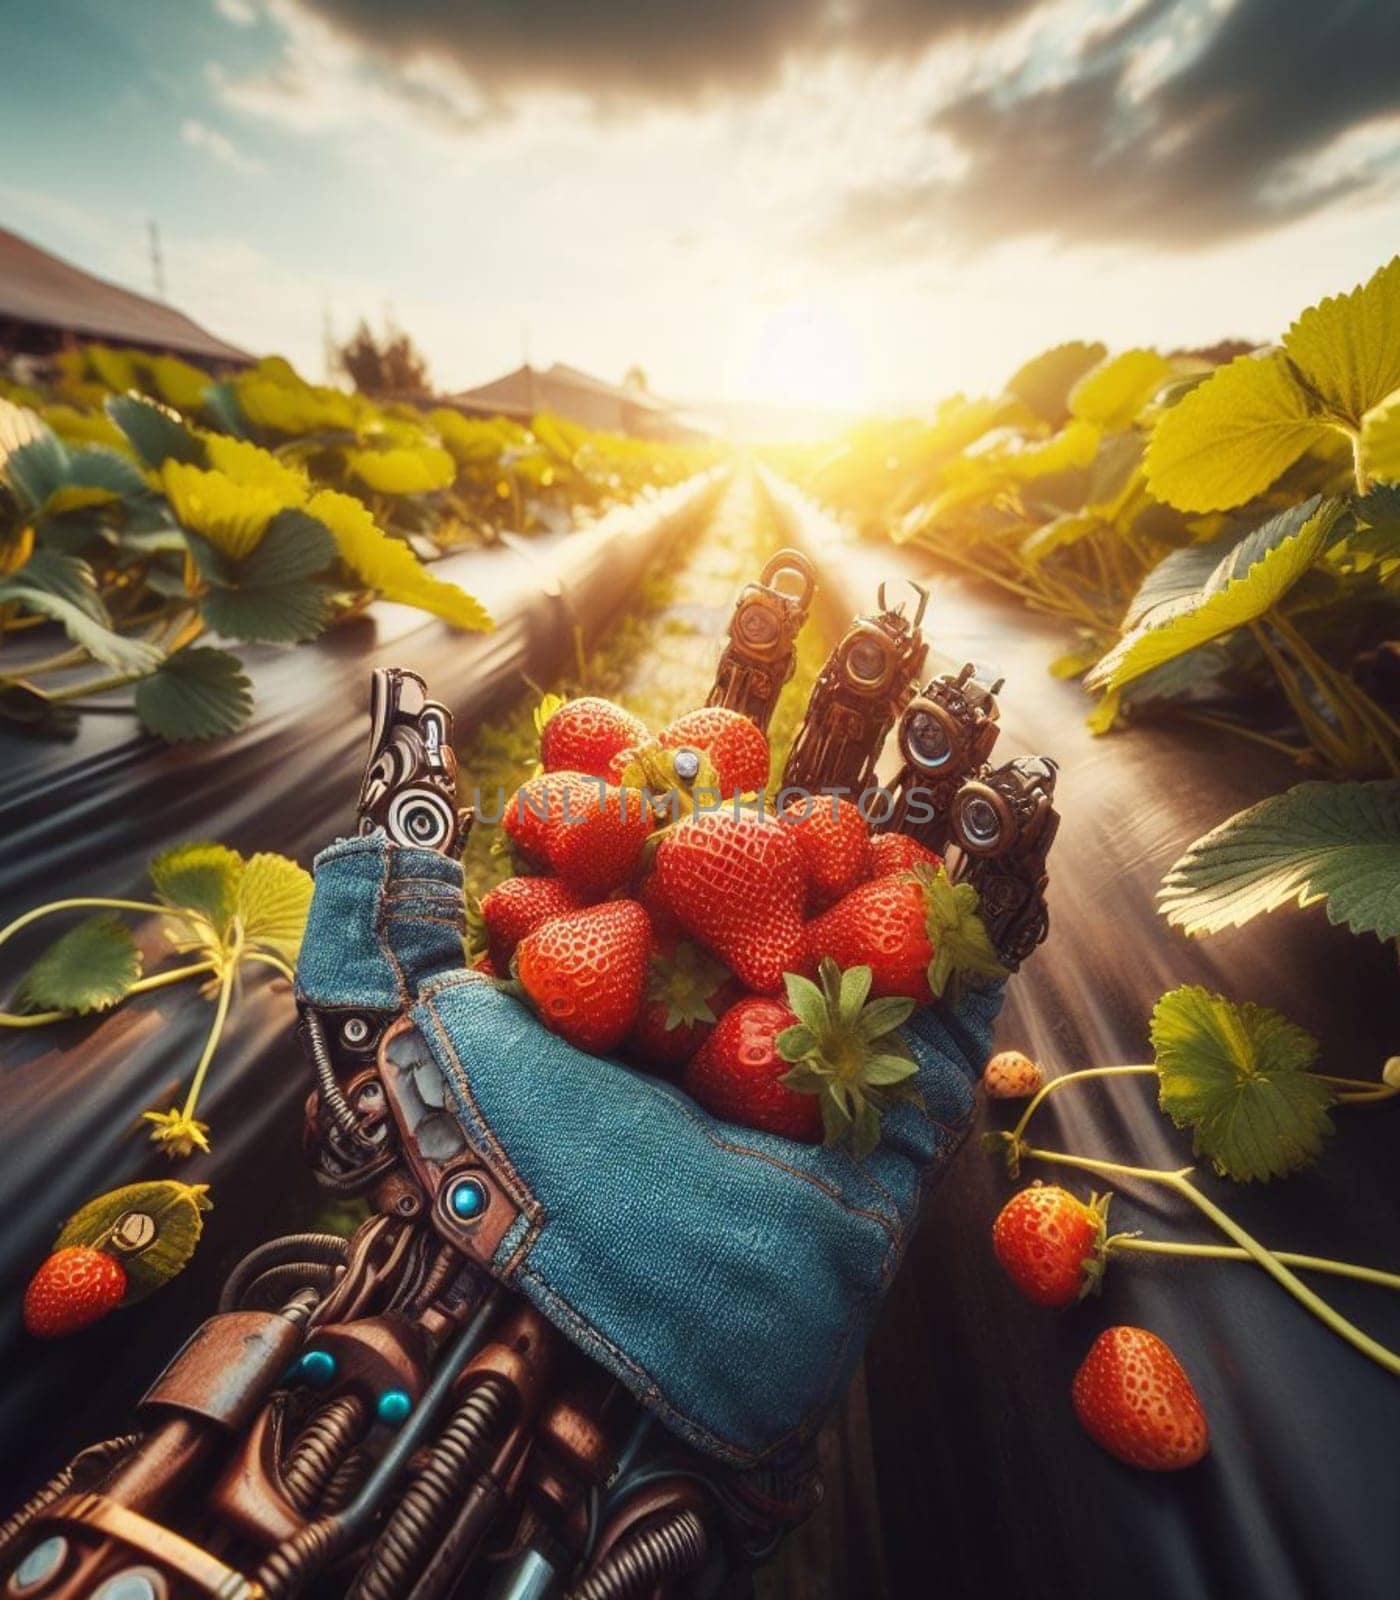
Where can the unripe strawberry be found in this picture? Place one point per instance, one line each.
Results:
(74, 1287)
(1010, 1075)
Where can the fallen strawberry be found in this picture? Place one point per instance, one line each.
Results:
(1052, 1245)
(736, 883)
(818, 1065)
(835, 843)
(687, 993)
(73, 1288)
(516, 907)
(1133, 1397)
(916, 933)
(585, 971)
(584, 735)
(736, 747)
(1011, 1075)
(897, 852)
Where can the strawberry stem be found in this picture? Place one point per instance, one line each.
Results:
(1072, 1077)
(1178, 1182)
(1227, 1252)
(226, 976)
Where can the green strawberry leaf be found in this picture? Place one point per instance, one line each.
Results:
(865, 1134)
(796, 1043)
(198, 693)
(1112, 393)
(154, 431)
(1239, 1077)
(962, 948)
(1245, 583)
(1338, 842)
(272, 903)
(90, 968)
(150, 1228)
(203, 878)
(1348, 346)
(283, 614)
(1046, 382)
(1232, 436)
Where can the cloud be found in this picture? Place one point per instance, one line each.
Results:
(241, 13)
(1177, 126)
(619, 52)
(200, 136)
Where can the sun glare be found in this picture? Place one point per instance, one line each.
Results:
(804, 353)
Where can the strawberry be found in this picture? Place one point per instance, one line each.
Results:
(585, 972)
(686, 994)
(664, 925)
(736, 746)
(897, 852)
(74, 1287)
(835, 843)
(584, 735)
(815, 1065)
(736, 883)
(535, 803)
(1133, 1397)
(1010, 1075)
(1051, 1245)
(517, 907)
(915, 933)
(595, 844)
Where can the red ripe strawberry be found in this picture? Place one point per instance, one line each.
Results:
(74, 1287)
(1134, 1398)
(818, 1064)
(687, 992)
(535, 803)
(584, 735)
(835, 843)
(897, 852)
(737, 1073)
(620, 763)
(915, 933)
(585, 972)
(736, 746)
(664, 925)
(595, 842)
(517, 907)
(736, 883)
(1051, 1244)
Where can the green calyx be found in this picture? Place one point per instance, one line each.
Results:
(685, 981)
(1095, 1263)
(842, 1050)
(962, 948)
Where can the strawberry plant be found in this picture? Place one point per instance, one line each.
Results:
(1242, 1080)
(144, 507)
(221, 913)
(1223, 540)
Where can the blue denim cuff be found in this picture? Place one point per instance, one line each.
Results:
(384, 919)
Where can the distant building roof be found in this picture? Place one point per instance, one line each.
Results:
(40, 290)
(527, 390)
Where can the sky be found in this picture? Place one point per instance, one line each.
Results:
(866, 204)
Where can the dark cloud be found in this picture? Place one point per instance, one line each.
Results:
(647, 50)
(1217, 148)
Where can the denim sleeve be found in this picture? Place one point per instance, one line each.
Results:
(729, 1278)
